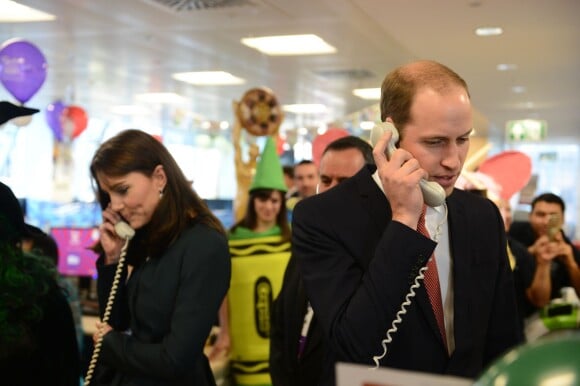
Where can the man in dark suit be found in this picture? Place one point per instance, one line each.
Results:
(297, 347)
(361, 245)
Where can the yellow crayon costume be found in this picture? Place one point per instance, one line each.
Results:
(258, 266)
(259, 260)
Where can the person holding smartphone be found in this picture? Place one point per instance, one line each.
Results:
(556, 261)
(177, 268)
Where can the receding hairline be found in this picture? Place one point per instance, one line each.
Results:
(433, 75)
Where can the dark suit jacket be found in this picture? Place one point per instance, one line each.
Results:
(288, 311)
(358, 265)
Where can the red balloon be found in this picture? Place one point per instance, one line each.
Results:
(280, 142)
(76, 120)
(321, 141)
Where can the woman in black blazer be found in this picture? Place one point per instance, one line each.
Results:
(177, 272)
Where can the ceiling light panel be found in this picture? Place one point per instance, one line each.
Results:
(307, 44)
(506, 67)
(13, 12)
(368, 93)
(488, 31)
(308, 108)
(208, 78)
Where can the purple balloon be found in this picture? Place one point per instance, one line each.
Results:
(22, 68)
(54, 112)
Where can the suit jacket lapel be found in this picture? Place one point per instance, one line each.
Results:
(373, 199)
(459, 240)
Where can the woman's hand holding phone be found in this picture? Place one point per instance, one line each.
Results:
(110, 241)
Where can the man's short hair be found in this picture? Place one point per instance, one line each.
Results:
(352, 142)
(550, 198)
(288, 170)
(400, 86)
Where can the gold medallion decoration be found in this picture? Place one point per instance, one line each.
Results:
(259, 112)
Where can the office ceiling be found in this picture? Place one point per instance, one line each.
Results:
(101, 53)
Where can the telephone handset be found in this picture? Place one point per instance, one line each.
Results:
(433, 193)
(124, 231)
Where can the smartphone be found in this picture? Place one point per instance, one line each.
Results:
(553, 226)
(433, 193)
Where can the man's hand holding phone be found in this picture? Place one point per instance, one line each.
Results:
(400, 174)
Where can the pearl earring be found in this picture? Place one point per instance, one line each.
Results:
(160, 193)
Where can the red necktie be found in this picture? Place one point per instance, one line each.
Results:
(432, 282)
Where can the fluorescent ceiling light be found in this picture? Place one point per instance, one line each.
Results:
(311, 108)
(518, 89)
(201, 78)
(307, 44)
(368, 93)
(506, 67)
(161, 97)
(488, 31)
(13, 12)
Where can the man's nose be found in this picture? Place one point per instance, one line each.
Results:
(451, 157)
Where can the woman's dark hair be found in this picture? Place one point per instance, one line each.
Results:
(250, 220)
(136, 151)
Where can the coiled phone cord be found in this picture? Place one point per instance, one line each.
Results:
(106, 315)
(402, 311)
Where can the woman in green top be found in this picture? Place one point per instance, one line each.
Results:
(265, 216)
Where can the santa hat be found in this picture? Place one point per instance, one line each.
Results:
(269, 174)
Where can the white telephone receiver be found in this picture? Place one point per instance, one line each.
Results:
(124, 231)
(433, 193)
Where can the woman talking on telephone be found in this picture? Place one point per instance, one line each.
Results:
(177, 268)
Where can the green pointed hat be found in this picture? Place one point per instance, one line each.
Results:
(269, 174)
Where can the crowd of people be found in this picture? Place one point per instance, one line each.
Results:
(335, 261)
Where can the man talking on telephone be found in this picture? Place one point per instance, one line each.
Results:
(370, 243)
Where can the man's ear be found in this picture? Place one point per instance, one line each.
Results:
(160, 177)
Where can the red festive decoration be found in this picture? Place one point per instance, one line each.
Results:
(75, 120)
(322, 140)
